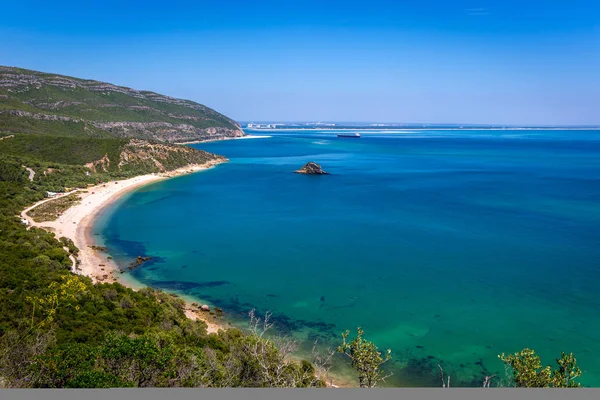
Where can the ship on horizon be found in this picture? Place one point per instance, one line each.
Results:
(349, 135)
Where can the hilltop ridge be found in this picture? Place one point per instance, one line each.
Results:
(45, 103)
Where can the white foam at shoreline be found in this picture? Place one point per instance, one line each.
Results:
(254, 137)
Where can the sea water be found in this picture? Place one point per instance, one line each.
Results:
(447, 247)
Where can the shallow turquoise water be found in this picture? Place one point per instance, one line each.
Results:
(449, 247)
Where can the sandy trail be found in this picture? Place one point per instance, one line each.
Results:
(31, 173)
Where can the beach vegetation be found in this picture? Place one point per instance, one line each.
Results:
(51, 210)
(365, 358)
(68, 243)
(525, 370)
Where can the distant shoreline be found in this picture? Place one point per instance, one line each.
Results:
(414, 129)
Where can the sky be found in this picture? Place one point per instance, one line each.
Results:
(421, 61)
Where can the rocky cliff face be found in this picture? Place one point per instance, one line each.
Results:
(34, 102)
(175, 133)
(164, 157)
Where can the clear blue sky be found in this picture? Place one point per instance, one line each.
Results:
(477, 61)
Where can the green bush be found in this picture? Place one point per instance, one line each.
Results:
(527, 370)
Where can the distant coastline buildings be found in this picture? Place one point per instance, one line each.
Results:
(253, 125)
(392, 126)
(261, 126)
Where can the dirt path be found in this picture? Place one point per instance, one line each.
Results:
(29, 219)
(31, 173)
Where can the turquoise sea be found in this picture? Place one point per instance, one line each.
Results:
(448, 247)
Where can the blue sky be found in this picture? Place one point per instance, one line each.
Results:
(498, 62)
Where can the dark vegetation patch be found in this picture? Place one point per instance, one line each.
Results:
(51, 210)
(183, 286)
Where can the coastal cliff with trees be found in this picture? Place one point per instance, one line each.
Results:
(59, 329)
(43, 103)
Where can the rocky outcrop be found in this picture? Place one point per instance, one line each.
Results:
(151, 156)
(102, 164)
(312, 168)
(39, 116)
(166, 131)
(161, 155)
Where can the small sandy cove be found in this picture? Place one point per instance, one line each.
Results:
(76, 224)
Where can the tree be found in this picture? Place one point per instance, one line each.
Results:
(527, 370)
(366, 359)
(322, 362)
(264, 360)
(20, 348)
(142, 360)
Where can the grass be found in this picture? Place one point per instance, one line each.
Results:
(51, 210)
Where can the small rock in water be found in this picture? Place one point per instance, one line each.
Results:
(312, 168)
(205, 307)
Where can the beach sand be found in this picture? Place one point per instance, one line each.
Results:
(76, 224)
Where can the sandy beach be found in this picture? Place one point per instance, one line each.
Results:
(77, 221)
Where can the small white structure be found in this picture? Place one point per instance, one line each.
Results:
(52, 194)
(24, 221)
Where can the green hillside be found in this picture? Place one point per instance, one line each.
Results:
(42, 103)
(116, 157)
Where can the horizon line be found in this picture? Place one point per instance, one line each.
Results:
(375, 123)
